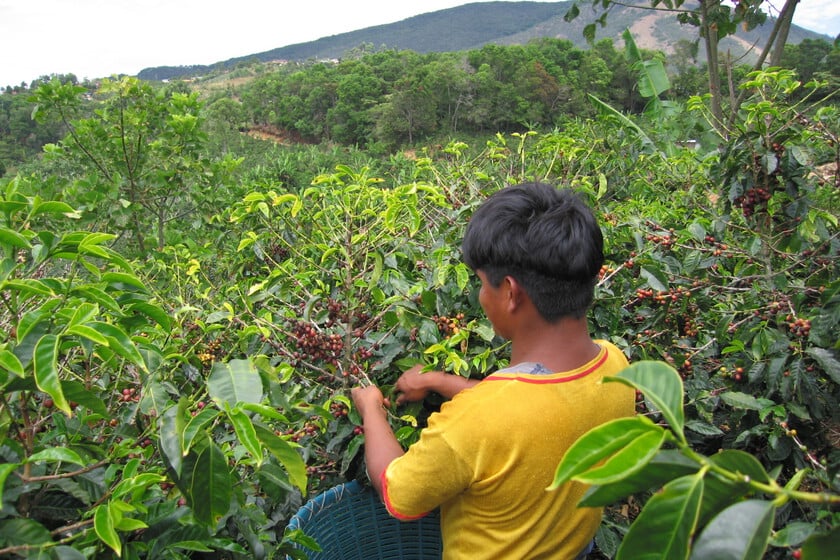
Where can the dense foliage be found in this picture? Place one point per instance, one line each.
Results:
(182, 398)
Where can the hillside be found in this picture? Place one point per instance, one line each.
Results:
(505, 23)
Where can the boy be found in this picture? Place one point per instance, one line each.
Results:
(488, 456)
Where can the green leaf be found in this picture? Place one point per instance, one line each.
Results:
(56, 455)
(127, 524)
(207, 483)
(827, 361)
(154, 312)
(52, 207)
(45, 363)
(742, 463)
(31, 287)
(265, 411)
(12, 238)
(607, 110)
(793, 534)
(245, 432)
(5, 470)
(662, 386)
(23, 532)
(819, 547)
(195, 426)
(103, 524)
(89, 333)
(655, 278)
(664, 527)
(97, 295)
(172, 427)
(665, 466)
(237, 381)
(286, 454)
(600, 443)
(743, 400)
(629, 460)
(119, 342)
(123, 280)
(11, 363)
(740, 532)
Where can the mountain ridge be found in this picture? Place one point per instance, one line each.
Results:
(474, 25)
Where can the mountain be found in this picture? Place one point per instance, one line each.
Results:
(472, 26)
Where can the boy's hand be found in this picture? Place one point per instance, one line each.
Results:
(369, 399)
(413, 385)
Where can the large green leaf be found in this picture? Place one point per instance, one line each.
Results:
(665, 526)
(23, 532)
(31, 287)
(652, 78)
(667, 465)
(45, 363)
(661, 385)
(244, 429)
(742, 463)
(10, 363)
(608, 110)
(5, 470)
(119, 342)
(207, 483)
(821, 546)
(237, 381)
(103, 524)
(172, 425)
(286, 454)
(628, 460)
(740, 532)
(195, 426)
(154, 312)
(828, 362)
(56, 455)
(51, 207)
(600, 443)
(10, 237)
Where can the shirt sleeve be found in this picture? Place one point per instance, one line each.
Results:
(428, 475)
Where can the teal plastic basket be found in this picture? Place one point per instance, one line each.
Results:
(349, 522)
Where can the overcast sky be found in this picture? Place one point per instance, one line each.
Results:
(98, 38)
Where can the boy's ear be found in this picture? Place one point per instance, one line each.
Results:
(514, 292)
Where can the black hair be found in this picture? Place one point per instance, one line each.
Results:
(544, 237)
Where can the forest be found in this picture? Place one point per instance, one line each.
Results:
(194, 273)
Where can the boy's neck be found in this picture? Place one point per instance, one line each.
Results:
(560, 346)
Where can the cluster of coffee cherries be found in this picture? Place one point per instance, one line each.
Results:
(673, 295)
(313, 344)
(447, 326)
(752, 199)
(129, 394)
(719, 247)
(799, 327)
(309, 429)
(322, 470)
(338, 314)
(212, 351)
(664, 240)
(338, 409)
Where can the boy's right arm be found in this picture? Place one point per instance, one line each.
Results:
(414, 385)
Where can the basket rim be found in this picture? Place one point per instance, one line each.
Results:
(324, 500)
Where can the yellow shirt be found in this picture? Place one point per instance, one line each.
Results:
(490, 453)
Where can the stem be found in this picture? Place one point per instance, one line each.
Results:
(772, 487)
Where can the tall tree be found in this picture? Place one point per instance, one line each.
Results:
(140, 155)
(714, 20)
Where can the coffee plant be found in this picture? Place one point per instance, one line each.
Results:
(184, 403)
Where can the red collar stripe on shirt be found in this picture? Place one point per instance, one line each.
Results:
(548, 378)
